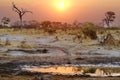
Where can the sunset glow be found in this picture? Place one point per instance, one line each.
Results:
(62, 10)
(61, 4)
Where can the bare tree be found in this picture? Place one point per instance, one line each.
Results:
(109, 18)
(21, 12)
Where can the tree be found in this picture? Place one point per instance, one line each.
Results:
(21, 12)
(109, 18)
(5, 21)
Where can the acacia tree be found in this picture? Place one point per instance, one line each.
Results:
(5, 21)
(21, 12)
(109, 18)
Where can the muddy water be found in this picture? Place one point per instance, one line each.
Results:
(64, 70)
(73, 70)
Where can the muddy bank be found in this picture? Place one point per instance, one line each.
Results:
(8, 74)
(38, 77)
(60, 60)
(12, 69)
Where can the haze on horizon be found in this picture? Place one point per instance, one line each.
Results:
(80, 10)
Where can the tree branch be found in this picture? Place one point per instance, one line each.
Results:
(15, 8)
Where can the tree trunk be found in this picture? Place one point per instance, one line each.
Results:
(21, 24)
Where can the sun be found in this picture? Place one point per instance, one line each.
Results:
(61, 4)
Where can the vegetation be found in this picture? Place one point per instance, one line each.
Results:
(23, 44)
(79, 32)
(21, 13)
(109, 18)
(5, 21)
(89, 30)
(7, 42)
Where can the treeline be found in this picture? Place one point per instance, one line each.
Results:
(107, 21)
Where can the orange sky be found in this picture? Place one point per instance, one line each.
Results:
(80, 10)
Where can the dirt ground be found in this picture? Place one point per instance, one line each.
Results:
(37, 51)
(9, 77)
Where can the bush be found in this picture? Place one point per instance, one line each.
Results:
(91, 70)
(89, 30)
(44, 51)
(22, 44)
(7, 42)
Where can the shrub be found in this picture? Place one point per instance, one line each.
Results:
(91, 70)
(44, 51)
(23, 44)
(7, 42)
(89, 30)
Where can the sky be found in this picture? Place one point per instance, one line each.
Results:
(73, 10)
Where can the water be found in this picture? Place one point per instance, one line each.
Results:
(64, 70)
(73, 69)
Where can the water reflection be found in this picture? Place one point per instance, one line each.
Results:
(64, 70)
(85, 70)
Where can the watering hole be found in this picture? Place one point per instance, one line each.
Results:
(83, 69)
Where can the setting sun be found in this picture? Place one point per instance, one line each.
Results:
(61, 4)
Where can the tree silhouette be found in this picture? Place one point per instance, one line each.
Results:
(21, 12)
(109, 18)
(5, 21)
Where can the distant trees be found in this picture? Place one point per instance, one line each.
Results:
(32, 24)
(21, 12)
(5, 21)
(109, 18)
(47, 26)
(16, 24)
